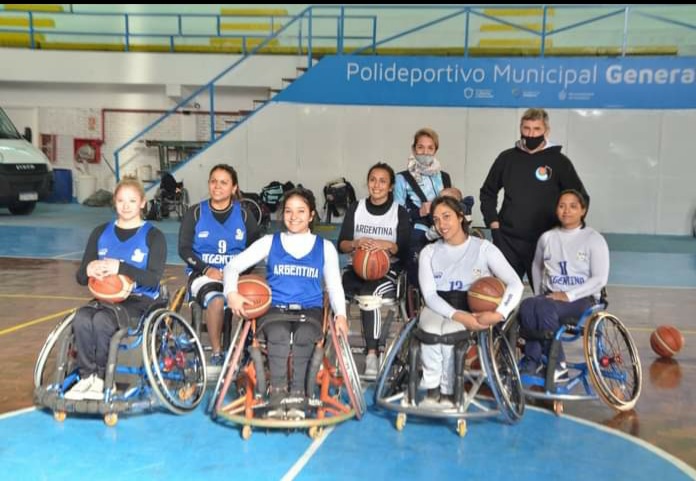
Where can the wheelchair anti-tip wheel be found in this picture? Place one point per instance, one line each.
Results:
(612, 360)
(174, 361)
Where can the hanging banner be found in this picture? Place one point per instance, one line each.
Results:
(622, 83)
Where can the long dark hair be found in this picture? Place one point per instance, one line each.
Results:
(453, 204)
(307, 196)
(233, 173)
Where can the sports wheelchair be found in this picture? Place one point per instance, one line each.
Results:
(160, 360)
(610, 370)
(332, 384)
(171, 196)
(489, 387)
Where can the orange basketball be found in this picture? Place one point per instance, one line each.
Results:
(485, 294)
(666, 341)
(113, 288)
(255, 288)
(371, 265)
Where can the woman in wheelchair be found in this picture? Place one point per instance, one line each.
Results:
(212, 233)
(297, 264)
(375, 223)
(446, 270)
(570, 269)
(128, 246)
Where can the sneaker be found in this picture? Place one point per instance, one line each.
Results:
(446, 401)
(431, 399)
(77, 392)
(560, 374)
(530, 367)
(371, 365)
(96, 389)
(217, 359)
(276, 408)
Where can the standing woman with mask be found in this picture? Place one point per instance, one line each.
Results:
(416, 188)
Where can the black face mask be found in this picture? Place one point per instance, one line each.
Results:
(532, 142)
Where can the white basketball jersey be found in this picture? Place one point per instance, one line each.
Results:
(382, 227)
(455, 268)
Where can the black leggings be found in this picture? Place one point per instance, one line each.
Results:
(304, 333)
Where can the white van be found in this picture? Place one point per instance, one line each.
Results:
(26, 175)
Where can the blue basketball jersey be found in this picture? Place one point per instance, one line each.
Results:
(296, 281)
(134, 251)
(215, 243)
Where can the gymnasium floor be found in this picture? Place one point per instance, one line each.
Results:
(653, 281)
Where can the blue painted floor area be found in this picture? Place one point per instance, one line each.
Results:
(163, 446)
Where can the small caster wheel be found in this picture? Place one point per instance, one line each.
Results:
(400, 421)
(186, 392)
(461, 427)
(60, 416)
(315, 431)
(246, 432)
(111, 419)
(558, 407)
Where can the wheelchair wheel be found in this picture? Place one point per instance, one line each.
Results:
(349, 372)
(503, 377)
(613, 362)
(174, 361)
(393, 376)
(230, 364)
(57, 358)
(183, 204)
(253, 208)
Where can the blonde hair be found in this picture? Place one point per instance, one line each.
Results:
(130, 181)
(428, 132)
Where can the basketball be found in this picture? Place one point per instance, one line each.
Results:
(666, 341)
(113, 288)
(255, 289)
(371, 265)
(485, 294)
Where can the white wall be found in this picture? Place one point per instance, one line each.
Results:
(636, 165)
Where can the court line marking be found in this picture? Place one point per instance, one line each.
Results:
(34, 296)
(685, 468)
(304, 459)
(67, 254)
(12, 414)
(35, 321)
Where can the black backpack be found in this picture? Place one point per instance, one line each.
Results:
(273, 192)
(339, 194)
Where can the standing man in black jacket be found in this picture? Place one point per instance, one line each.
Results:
(532, 174)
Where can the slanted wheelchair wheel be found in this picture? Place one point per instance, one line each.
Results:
(183, 205)
(230, 363)
(174, 361)
(253, 208)
(349, 371)
(503, 377)
(613, 362)
(57, 358)
(393, 376)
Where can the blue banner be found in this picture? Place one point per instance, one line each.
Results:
(625, 83)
